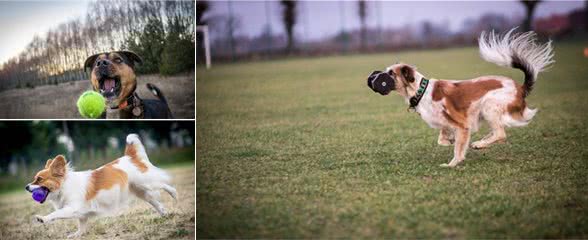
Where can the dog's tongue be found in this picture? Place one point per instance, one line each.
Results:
(109, 84)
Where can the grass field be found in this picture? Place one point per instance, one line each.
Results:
(141, 221)
(302, 148)
(59, 101)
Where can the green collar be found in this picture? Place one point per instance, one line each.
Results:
(414, 101)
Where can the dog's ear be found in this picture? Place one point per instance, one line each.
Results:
(57, 166)
(48, 163)
(407, 72)
(90, 61)
(132, 57)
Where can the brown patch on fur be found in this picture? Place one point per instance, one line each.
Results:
(404, 81)
(460, 95)
(105, 178)
(128, 79)
(517, 107)
(132, 153)
(407, 73)
(52, 175)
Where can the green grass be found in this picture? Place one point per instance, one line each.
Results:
(303, 148)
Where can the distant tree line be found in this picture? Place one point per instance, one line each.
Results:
(32, 143)
(161, 32)
(230, 45)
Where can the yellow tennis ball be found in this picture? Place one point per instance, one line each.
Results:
(91, 104)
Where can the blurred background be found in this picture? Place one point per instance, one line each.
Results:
(87, 145)
(246, 30)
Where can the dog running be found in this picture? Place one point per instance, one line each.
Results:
(457, 107)
(103, 191)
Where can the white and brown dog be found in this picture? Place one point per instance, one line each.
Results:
(103, 191)
(456, 107)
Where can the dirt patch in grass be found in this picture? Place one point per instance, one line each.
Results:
(140, 221)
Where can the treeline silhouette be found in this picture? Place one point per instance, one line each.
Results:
(161, 32)
(231, 43)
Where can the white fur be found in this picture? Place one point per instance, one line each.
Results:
(500, 50)
(69, 201)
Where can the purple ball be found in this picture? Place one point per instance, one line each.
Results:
(40, 194)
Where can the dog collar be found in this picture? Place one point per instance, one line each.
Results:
(126, 103)
(414, 100)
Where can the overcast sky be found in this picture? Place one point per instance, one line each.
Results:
(318, 19)
(21, 20)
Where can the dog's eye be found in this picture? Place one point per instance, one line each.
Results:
(118, 60)
(39, 179)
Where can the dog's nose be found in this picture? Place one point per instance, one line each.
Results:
(27, 188)
(102, 63)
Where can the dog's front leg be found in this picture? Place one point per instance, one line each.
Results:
(462, 140)
(66, 212)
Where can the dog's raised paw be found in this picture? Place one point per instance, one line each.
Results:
(39, 219)
(478, 145)
(444, 142)
(76, 234)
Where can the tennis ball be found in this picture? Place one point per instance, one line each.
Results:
(91, 104)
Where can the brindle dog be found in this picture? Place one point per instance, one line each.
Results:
(113, 76)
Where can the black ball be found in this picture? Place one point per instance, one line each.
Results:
(381, 82)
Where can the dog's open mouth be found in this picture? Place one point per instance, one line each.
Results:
(110, 87)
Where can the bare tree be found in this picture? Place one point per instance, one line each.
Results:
(58, 56)
(201, 8)
(289, 20)
(362, 13)
(530, 6)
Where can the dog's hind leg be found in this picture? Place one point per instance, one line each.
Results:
(82, 224)
(446, 137)
(497, 134)
(150, 196)
(171, 191)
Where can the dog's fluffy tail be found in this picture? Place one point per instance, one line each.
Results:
(517, 50)
(135, 149)
(158, 93)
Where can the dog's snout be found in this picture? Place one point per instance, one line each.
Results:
(28, 188)
(102, 63)
(103, 67)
